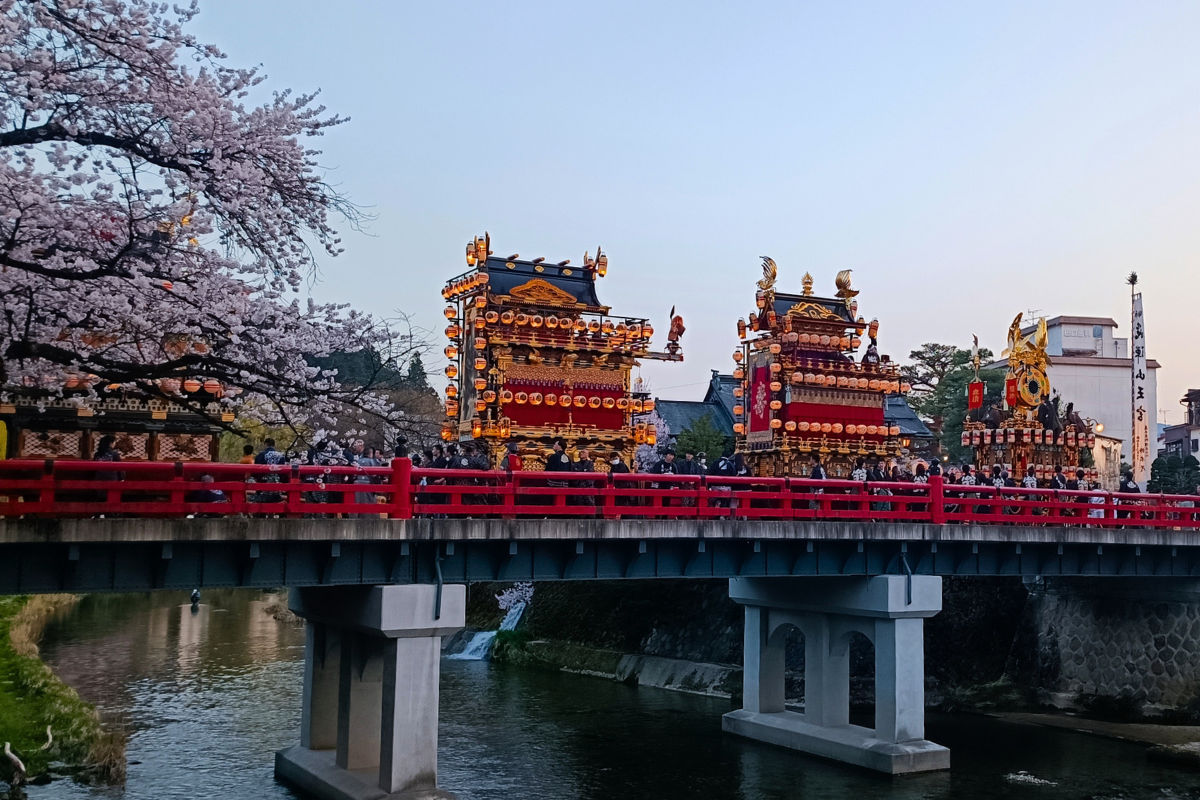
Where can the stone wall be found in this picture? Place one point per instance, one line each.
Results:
(1113, 645)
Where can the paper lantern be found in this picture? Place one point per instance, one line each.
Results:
(824, 340)
(776, 405)
(508, 317)
(805, 338)
(872, 430)
(635, 331)
(580, 326)
(492, 317)
(647, 330)
(594, 326)
(451, 312)
(789, 426)
(480, 384)
(476, 428)
(606, 326)
(579, 400)
(622, 403)
(480, 343)
(837, 427)
(552, 400)
(826, 427)
(739, 410)
(739, 428)
(635, 406)
(966, 438)
(447, 434)
(776, 368)
(815, 427)
(819, 380)
(737, 356)
(905, 387)
(775, 348)
(803, 426)
(622, 329)
(506, 396)
(842, 382)
(776, 423)
(862, 430)
(776, 386)
(480, 322)
(480, 364)
(738, 391)
(212, 386)
(739, 373)
(535, 398)
(480, 405)
(894, 430)
(791, 338)
(453, 331)
(536, 320)
(482, 278)
(593, 402)
(855, 342)
(609, 402)
(522, 319)
(451, 390)
(489, 396)
(521, 397)
(873, 385)
(810, 377)
(191, 385)
(564, 400)
(452, 408)
(451, 351)
(480, 301)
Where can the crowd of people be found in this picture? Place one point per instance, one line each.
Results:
(336, 488)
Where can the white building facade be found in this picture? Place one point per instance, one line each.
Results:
(1091, 367)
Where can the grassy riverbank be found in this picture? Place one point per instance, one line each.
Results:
(32, 698)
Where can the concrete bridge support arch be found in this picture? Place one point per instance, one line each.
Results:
(369, 724)
(889, 610)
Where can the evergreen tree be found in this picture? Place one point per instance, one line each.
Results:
(702, 437)
(1174, 475)
(416, 377)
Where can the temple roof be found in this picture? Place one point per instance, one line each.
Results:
(896, 411)
(538, 282)
(821, 309)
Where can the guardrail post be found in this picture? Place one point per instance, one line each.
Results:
(937, 500)
(401, 502)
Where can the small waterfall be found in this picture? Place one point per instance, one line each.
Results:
(481, 643)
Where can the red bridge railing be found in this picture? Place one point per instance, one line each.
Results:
(58, 489)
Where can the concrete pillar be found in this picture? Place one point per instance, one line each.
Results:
(370, 716)
(899, 680)
(322, 669)
(826, 675)
(762, 673)
(360, 698)
(890, 610)
(408, 748)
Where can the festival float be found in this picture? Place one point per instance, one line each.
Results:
(801, 390)
(1028, 429)
(535, 356)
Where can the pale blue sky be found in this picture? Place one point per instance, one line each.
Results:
(966, 160)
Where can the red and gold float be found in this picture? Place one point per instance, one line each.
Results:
(535, 356)
(802, 391)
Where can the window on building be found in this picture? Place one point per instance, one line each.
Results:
(1097, 332)
(1196, 445)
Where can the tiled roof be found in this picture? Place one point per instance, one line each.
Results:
(896, 411)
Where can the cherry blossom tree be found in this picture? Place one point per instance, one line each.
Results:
(156, 228)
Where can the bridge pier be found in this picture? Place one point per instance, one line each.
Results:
(369, 723)
(889, 610)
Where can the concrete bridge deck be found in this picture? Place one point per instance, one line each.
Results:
(96, 555)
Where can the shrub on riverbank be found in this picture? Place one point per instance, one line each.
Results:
(32, 698)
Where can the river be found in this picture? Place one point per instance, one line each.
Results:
(207, 696)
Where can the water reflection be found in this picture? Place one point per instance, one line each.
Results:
(209, 695)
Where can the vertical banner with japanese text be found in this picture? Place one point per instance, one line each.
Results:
(1142, 413)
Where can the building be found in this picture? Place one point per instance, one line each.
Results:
(679, 415)
(1090, 367)
(1184, 440)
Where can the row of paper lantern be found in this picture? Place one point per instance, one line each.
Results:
(168, 385)
(812, 339)
(832, 381)
(551, 322)
(489, 396)
(836, 428)
(464, 285)
(977, 437)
